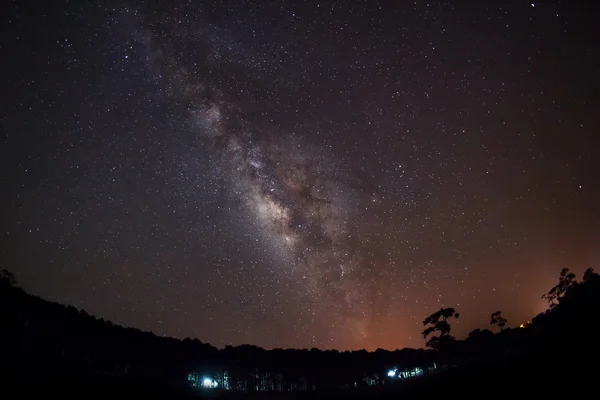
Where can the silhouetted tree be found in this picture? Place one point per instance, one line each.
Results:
(588, 274)
(498, 319)
(439, 323)
(7, 278)
(565, 283)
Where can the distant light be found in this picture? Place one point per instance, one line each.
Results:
(525, 325)
(532, 4)
(392, 373)
(207, 382)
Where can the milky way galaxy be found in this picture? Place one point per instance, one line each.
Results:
(296, 193)
(294, 173)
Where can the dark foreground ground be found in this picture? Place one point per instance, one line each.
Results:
(555, 357)
(556, 374)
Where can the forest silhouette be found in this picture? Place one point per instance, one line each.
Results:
(49, 348)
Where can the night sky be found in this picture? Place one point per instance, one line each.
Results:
(301, 174)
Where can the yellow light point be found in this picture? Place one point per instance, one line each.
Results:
(525, 324)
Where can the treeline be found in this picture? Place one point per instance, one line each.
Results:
(44, 342)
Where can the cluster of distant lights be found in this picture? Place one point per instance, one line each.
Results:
(209, 383)
(408, 373)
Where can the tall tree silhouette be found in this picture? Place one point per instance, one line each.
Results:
(565, 282)
(498, 319)
(438, 322)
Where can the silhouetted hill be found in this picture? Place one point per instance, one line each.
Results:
(51, 348)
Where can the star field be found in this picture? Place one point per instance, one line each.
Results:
(299, 174)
